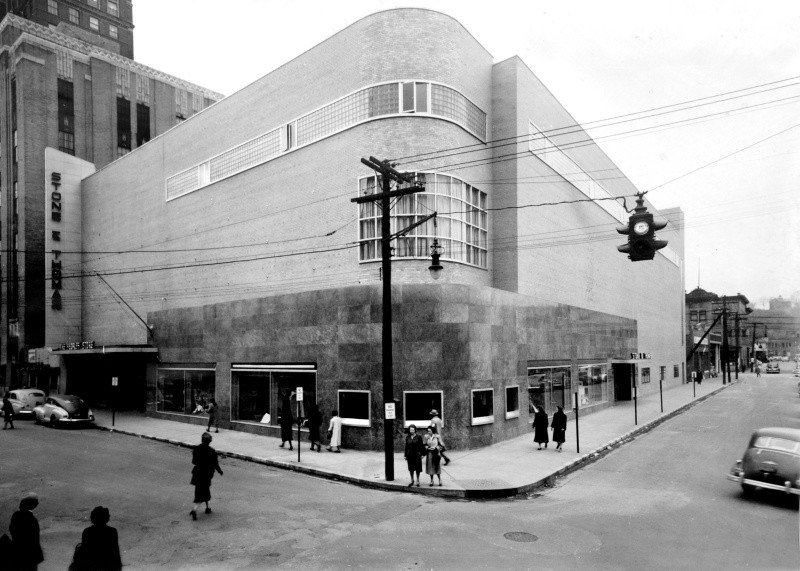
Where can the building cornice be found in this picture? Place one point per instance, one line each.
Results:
(49, 37)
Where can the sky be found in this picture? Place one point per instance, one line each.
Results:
(723, 75)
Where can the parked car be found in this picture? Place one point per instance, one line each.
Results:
(773, 368)
(24, 400)
(771, 461)
(63, 409)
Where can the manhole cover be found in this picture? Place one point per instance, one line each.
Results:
(521, 536)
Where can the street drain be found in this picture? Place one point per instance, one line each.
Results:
(521, 536)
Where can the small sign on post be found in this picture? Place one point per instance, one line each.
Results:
(390, 411)
(114, 383)
(299, 394)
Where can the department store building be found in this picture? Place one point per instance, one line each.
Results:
(242, 269)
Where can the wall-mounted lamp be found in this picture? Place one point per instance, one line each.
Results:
(435, 268)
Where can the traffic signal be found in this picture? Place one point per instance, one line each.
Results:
(641, 231)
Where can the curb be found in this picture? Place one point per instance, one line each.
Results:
(450, 493)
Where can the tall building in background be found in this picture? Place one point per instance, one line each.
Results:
(68, 85)
(106, 23)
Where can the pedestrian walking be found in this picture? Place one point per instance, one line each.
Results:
(26, 551)
(286, 420)
(8, 413)
(559, 427)
(758, 371)
(99, 546)
(205, 463)
(413, 453)
(213, 416)
(436, 421)
(433, 460)
(314, 424)
(700, 377)
(540, 427)
(335, 432)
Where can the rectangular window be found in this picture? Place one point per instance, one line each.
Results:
(185, 390)
(417, 407)
(548, 387)
(112, 8)
(263, 393)
(408, 97)
(512, 402)
(676, 371)
(482, 406)
(415, 97)
(645, 375)
(702, 316)
(74, 16)
(197, 103)
(693, 316)
(94, 23)
(143, 89)
(142, 124)
(64, 65)
(181, 104)
(592, 384)
(122, 83)
(123, 123)
(66, 106)
(113, 31)
(52, 7)
(92, 3)
(66, 142)
(354, 408)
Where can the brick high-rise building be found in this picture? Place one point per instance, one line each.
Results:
(71, 89)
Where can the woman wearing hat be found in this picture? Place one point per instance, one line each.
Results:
(205, 463)
(436, 421)
(24, 529)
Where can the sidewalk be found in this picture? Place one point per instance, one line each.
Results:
(501, 470)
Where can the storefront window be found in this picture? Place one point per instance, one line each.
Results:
(482, 406)
(263, 393)
(418, 405)
(645, 375)
(354, 407)
(548, 387)
(185, 390)
(593, 384)
(512, 401)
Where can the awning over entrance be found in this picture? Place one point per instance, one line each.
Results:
(108, 350)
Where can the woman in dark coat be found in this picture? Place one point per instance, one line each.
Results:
(24, 529)
(100, 544)
(540, 428)
(205, 463)
(287, 421)
(314, 424)
(559, 427)
(413, 453)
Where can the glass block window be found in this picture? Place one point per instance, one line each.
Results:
(112, 8)
(113, 31)
(246, 155)
(461, 224)
(183, 183)
(52, 7)
(359, 106)
(94, 23)
(181, 104)
(143, 89)
(449, 103)
(123, 83)
(74, 16)
(64, 65)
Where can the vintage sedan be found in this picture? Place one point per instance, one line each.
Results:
(773, 368)
(24, 400)
(65, 410)
(771, 462)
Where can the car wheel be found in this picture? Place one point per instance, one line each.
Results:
(748, 490)
(53, 421)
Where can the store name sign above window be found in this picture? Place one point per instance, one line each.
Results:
(55, 263)
(77, 345)
(640, 355)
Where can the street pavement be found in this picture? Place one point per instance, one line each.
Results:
(505, 469)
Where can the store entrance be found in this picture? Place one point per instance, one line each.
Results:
(623, 380)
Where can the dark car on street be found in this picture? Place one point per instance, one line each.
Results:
(63, 409)
(771, 462)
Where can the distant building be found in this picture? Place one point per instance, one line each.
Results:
(74, 93)
(243, 262)
(704, 312)
(779, 328)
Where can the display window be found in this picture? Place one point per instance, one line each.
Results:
(593, 384)
(512, 401)
(482, 406)
(417, 406)
(548, 387)
(265, 393)
(185, 389)
(354, 408)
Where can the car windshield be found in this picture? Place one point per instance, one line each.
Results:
(780, 444)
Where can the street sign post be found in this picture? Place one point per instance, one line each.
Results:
(114, 385)
(299, 395)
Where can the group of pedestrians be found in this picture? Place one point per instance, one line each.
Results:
(558, 426)
(431, 446)
(22, 551)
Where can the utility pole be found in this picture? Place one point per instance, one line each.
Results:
(738, 349)
(753, 347)
(386, 174)
(725, 368)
